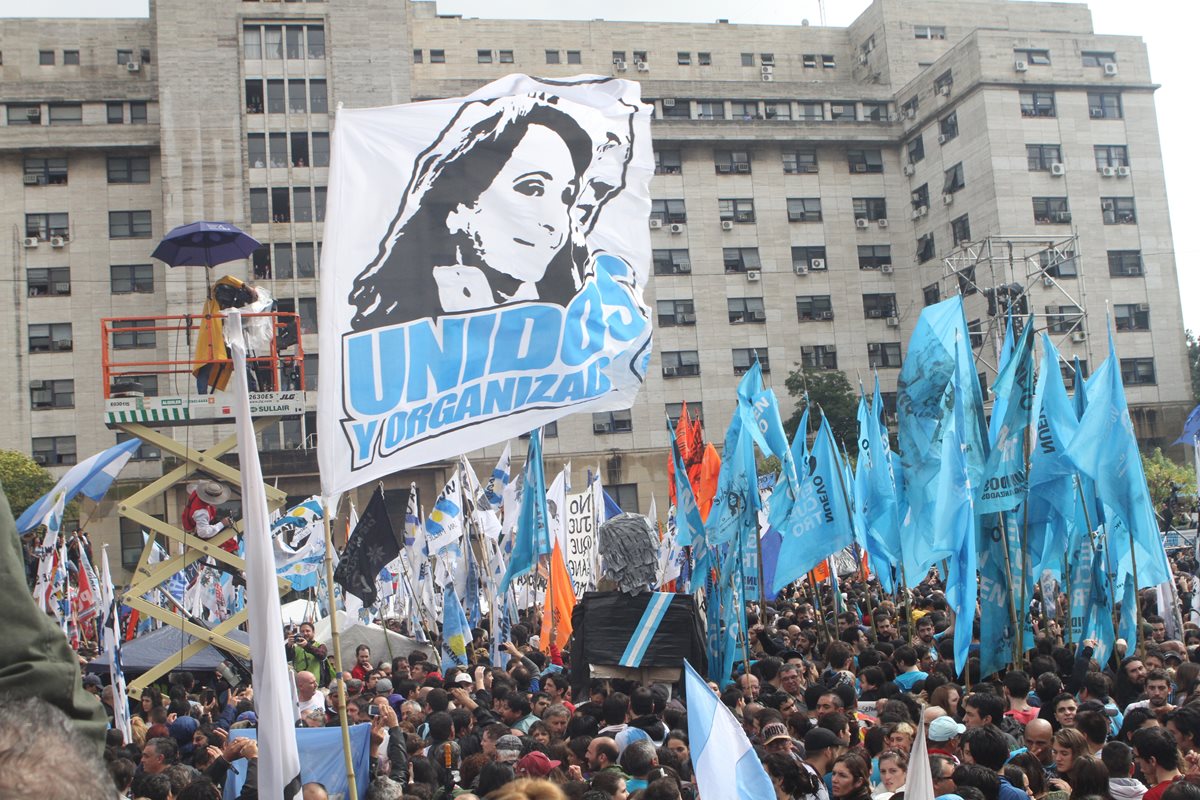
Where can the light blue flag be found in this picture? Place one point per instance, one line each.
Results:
(783, 495)
(532, 537)
(688, 523)
(996, 532)
(1005, 481)
(880, 500)
(1081, 592)
(735, 505)
(1104, 449)
(322, 759)
(857, 483)
(1098, 624)
(759, 410)
(723, 760)
(818, 524)
(1128, 629)
(1081, 384)
(1000, 399)
(954, 513)
(90, 477)
(456, 632)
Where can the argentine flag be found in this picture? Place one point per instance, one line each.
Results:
(717, 740)
(456, 633)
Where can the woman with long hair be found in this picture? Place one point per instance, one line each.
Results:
(1089, 777)
(893, 772)
(151, 699)
(851, 778)
(947, 697)
(1187, 679)
(1068, 745)
(677, 743)
(1035, 774)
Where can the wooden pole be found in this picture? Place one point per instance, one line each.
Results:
(336, 636)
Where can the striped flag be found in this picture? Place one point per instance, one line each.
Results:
(111, 624)
(717, 742)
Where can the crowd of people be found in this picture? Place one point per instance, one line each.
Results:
(832, 704)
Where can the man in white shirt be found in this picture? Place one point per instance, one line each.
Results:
(311, 699)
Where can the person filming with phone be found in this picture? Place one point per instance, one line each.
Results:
(306, 654)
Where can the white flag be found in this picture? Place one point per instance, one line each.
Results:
(556, 505)
(278, 759)
(112, 648)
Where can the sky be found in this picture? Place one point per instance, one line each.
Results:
(1163, 24)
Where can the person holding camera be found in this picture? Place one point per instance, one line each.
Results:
(306, 654)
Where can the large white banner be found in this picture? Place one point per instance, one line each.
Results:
(579, 527)
(482, 272)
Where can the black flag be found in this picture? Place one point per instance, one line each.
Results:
(373, 543)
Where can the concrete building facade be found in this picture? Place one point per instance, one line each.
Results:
(815, 188)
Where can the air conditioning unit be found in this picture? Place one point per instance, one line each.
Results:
(1110, 70)
(670, 372)
(922, 211)
(758, 316)
(741, 167)
(724, 169)
(910, 113)
(1108, 172)
(800, 269)
(642, 66)
(41, 459)
(685, 319)
(947, 199)
(941, 138)
(909, 169)
(893, 322)
(133, 66)
(831, 348)
(886, 269)
(655, 224)
(726, 225)
(944, 91)
(1143, 306)
(874, 313)
(677, 228)
(768, 77)
(767, 69)
(1058, 170)
(620, 65)
(1122, 172)
(33, 113)
(1079, 336)
(893, 117)
(753, 275)
(862, 58)
(817, 264)
(1021, 66)
(1095, 112)
(668, 102)
(1047, 281)
(31, 241)
(883, 223)
(1062, 216)
(601, 427)
(58, 241)
(825, 315)
(32, 180)
(861, 222)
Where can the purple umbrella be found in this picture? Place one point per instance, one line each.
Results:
(205, 244)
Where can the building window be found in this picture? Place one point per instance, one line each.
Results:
(46, 58)
(506, 56)
(618, 56)
(281, 206)
(437, 56)
(872, 209)
(130, 337)
(953, 180)
(1125, 263)
(1051, 210)
(966, 281)
(129, 225)
(975, 333)
(70, 58)
(875, 112)
(804, 209)
(842, 110)
(144, 452)
(306, 260)
(874, 256)
(574, 57)
(1097, 58)
(302, 207)
(612, 422)
(137, 113)
(883, 355)
(418, 56)
(316, 42)
(929, 32)
(744, 358)
(132, 278)
(320, 149)
(297, 99)
(483, 56)
(45, 395)
(668, 162)
(307, 308)
(129, 169)
(678, 109)
(1064, 319)
(1131, 316)
(710, 109)
(671, 262)
(818, 356)
(44, 226)
(1059, 263)
(1037, 104)
(828, 61)
(668, 211)
(811, 111)
(53, 337)
(739, 210)
(1041, 156)
(124, 57)
(138, 385)
(705, 59)
(276, 104)
(639, 55)
(960, 229)
(814, 307)
(1040, 58)
(1118, 210)
(54, 451)
(318, 97)
(778, 109)
(1111, 155)
(680, 363)
(66, 113)
(259, 206)
(283, 261)
(746, 309)
(48, 282)
(727, 161)
(553, 56)
(948, 127)
(809, 257)
(920, 197)
(909, 107)
(931, 294)
(877, 306)
(797, 162)
(1138, 371)
(683, 59)
(916, 149)
(740, 259)
(673, 313)
(115, 112)
(1104, 105)
(865, 160)
(1068, 372)
(625, 495)
(675, 411)
(925, 248)
(943, 83)
(48, 171)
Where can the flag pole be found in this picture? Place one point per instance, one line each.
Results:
(336, 635)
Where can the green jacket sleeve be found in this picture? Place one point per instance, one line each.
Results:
(36, 659)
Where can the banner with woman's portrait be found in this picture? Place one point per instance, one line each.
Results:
(482, 270)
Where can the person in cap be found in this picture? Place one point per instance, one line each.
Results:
(536, 765)
(776, 739)
(821, 748)
(943, 735)
(200, 512)
(92, 684)
(508, 749)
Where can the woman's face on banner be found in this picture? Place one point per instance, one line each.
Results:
(521, 221)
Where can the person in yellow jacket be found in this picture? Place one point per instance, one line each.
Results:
(213, 367)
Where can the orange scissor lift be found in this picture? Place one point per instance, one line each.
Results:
(131, 407)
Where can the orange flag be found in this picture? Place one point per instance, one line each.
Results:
(560, 601)
(706, 486)
(819, 573)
